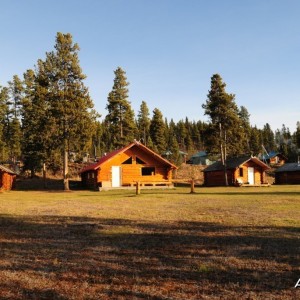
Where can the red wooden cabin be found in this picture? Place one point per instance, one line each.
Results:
(240, 171)
(126, 166)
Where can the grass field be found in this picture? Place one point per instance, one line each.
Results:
(220, 243)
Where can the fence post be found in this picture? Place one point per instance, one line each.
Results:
(192, 186)
(138, 188)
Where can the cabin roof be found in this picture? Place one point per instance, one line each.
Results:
(199, 154)
(110, 155)
(234, 162)
(273, 154)
(7, 170)
(289, 167)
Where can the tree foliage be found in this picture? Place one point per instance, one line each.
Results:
(120, 117)
(49, 114)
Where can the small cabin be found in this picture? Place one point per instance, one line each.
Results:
(274, 159)
(240, 171)
(7, 178)
(127, 166)
(200, 158)
(288, 174)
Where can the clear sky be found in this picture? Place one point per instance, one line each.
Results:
(169, 50)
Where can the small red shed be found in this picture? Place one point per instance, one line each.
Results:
(7, 178)
(240, 170)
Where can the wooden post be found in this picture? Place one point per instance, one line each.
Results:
(138, 188)
(44, 176)
(192, 186)
(66, 171)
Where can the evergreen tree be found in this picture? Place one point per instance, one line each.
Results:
(188, 140)
(255, 141)
(15, 90)
(13, 133)
(143, 122)
(225, 124)
(3, 114)
(181, 134)
(195, 135)
(268, 138)
(245, 123)
(120, 117)
(157, 131)
(174, 148)
(297, 135)
(35, 124)
(70, 105)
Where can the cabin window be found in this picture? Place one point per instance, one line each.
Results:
(241, 172)
(139, 161)
(128, 161)
(148, 171)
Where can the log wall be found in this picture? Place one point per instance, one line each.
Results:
(7, 181)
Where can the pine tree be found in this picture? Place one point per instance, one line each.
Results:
(120, 115)
(70, 106)
(297, 135)
(225, 123)
(157, 131)
(35, 124)
(246, 128)
(3, 114)
(268, 138)
(143, 122)
(12, 125)
(255, 141)
(181, 134)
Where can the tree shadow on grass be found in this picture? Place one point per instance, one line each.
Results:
(53, 257)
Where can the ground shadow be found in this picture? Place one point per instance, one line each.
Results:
(54, 257)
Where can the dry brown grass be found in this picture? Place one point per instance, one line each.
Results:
(235, 243)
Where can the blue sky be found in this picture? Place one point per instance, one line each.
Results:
(169, 50)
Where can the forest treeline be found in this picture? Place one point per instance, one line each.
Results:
(48, 115)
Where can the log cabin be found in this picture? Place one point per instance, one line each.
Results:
(7, 178)
(274, 159)
(240, 171)
(288, 174)
(127, 166)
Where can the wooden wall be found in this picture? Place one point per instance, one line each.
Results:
(216, 178)
(89, 179)
(7, 181)
(259, 174)
(133, 172)
(287, 178)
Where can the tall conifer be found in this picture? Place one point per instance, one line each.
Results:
(226, 129)
(157, 131)
(70, 105)
(120, 117)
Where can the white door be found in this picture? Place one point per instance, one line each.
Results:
(115, 176)
(251, 175)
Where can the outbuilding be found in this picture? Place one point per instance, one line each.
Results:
(7, 178)
(240, 171)
(127, 166)
(200, 158)
(288, 174)
(274, 159)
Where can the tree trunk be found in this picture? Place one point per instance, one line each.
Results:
(223, 153)
(225, 158)
(66, 171)
(44, 176)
